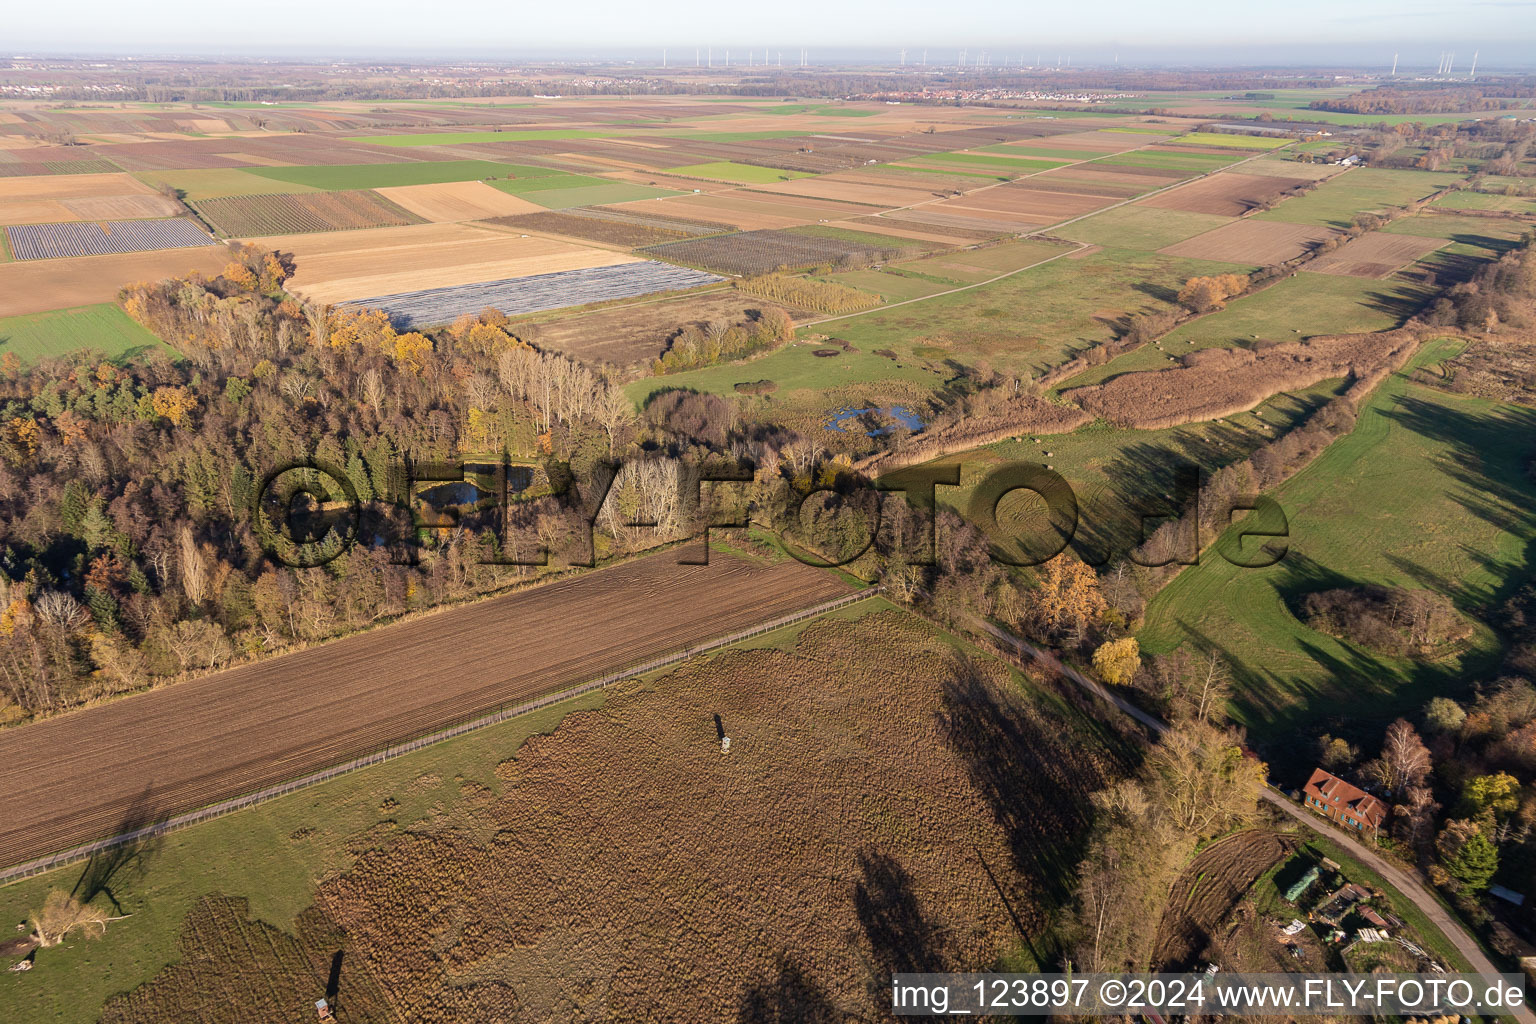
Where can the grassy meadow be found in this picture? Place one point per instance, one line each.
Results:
(1429, 491)
(103, 328)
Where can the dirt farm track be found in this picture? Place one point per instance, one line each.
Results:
(79, 777)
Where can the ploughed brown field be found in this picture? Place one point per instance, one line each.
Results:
(1374, 255)
(192, 744)
(1229, 195)
(35, 286)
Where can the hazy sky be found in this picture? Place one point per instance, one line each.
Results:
(1243, 31)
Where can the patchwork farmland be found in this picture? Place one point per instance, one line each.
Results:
(538, 292)
(346, 266)
(612, 227)
(55, 241)
(889, 312)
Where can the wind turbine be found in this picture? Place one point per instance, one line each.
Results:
(1473, 72)
(1394, 65)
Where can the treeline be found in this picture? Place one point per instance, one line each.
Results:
(1498, 293)
(128, 548)
(721, 341)
(821, 296)
(1390, 100)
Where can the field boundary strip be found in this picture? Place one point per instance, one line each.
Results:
(42, 865)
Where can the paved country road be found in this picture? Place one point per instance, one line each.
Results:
(101, 771)
(1405, 882)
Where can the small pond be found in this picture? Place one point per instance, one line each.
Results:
(842, 417)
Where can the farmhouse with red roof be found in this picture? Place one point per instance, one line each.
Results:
(1348, 805)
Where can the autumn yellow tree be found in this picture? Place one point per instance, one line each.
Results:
(1202, 294)
(239, 274)
(1118, 661)
(1067, 599)
(172, 403)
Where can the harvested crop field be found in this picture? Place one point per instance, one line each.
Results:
(610, 227)
(829, 187)
(246, 216)
(1226, 195)
(761, 252)
(910, 224)
(633, 334)
(456, 201)
(538, 292)
(1207, 892)
(233, 732)
(887, 804)
(1220, 382)
(35, 286)
(119, 207)
(1024, 204)
(73, 186)
(346, 266)
(753, 210)
(57, 241)
(1374, 255)
(1248, 241)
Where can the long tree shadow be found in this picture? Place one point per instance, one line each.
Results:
(1024, 769)
(118, 864)
(900, 934)
(792, 996)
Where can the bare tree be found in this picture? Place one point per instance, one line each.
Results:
(1404, 760)
(194, 567)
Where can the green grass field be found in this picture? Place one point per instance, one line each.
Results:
(1030, 321)
(1298, 307)
(1336, 201)
(1141, 227)
(1018, 165)
(1193, 163)
(1230, 141)
(1465, 199)
(352, 176)
(945, 171)
(805, 380)
(1018, 149)
(104, 328)
(1489, 232)
(972, 266)
(1429, 491)
(741, 174)
(890, 283)
(213, 182)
